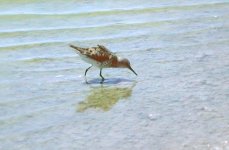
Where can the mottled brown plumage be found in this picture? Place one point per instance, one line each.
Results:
(102, 57)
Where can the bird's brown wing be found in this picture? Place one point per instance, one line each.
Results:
(104, 49)
(100, 53)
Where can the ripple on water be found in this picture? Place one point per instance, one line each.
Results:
(178, 48)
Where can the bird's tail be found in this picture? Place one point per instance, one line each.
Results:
(77, 48)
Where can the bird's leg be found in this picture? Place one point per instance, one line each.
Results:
(86, 72)
(101, 75)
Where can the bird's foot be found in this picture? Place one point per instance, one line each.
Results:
(103, 79)
(86, 80)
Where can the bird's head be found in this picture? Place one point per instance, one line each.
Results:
(125, 63)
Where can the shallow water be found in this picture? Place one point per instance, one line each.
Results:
(179, 100)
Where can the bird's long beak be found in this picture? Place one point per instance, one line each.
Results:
(133, 71)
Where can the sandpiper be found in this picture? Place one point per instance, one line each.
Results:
(102, 57)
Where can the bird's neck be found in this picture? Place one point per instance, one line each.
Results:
(117, 63)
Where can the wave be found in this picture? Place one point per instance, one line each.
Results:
(105, 38)
(136, 10)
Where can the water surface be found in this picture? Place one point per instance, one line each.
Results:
(179, 100)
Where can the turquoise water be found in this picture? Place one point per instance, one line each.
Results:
(179, 100)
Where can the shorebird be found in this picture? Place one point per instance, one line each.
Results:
(101, 57)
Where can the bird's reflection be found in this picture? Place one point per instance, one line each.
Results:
(105, 97)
